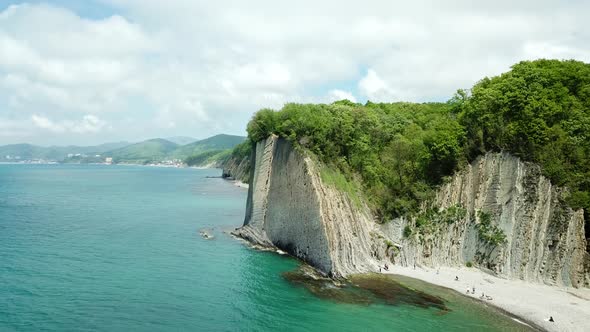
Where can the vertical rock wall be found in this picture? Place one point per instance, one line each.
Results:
(290, 208)
(544, 237)
(258, 191)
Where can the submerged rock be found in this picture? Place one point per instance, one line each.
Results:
(385, 288)
(206, 234)
(363, 289)
(326, 288)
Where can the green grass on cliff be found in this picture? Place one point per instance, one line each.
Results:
(336, 179)
(539, 111)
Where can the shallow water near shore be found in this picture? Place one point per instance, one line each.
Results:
(117, 248)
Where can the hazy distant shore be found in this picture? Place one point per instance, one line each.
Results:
(113, 164)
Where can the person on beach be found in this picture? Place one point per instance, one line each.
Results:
(456, 278)
(386, 267)
(473, 290)
(551, 319)
(379, 269)
(482, 296)
(468, 290)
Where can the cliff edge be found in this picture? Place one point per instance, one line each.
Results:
(498, 214)
(542, 239)
(290, 208)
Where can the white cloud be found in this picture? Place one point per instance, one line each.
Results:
(262, 76)
(66, 34)
(88, 124)
(556, 50)
(44, 123)
(337, 94)
(14, 130)
(375, 88)
(177, 67)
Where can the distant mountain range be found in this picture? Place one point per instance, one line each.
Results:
(150, 151)
(21, 152)
(181, 140)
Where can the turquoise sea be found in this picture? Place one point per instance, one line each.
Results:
(117, 248)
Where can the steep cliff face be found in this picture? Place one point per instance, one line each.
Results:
(290, 208)
(544, 238)
(236, 168)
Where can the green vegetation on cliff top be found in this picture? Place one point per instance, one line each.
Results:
(539, 111)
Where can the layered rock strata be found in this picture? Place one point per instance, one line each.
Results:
(289, 207)
(544, 238)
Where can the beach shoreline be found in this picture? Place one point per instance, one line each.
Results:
(529, 303)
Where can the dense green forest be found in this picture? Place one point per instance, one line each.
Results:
(397, 153)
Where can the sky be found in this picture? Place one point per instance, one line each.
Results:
(94, 71)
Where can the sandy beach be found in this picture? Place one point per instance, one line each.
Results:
(534, 303)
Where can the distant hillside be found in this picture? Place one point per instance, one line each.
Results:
(107, 146)
(157, 150)
(181, 140)
(217, 142)
(17, 152)
(200, 153)
(211, 158)
(152, 150)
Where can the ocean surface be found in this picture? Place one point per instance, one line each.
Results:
(117, 248)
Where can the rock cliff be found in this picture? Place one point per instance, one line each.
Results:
(544, 238)
(289, 207)
(236, 168)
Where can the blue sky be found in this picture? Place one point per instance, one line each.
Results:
(87, 72)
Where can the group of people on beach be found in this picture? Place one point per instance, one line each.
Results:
(469, 290)
(472, 291)
(489, 298)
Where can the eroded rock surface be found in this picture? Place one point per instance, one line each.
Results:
(544, 237)
(290, 208)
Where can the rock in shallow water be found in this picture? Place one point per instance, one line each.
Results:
(206, 234)
(363, 289)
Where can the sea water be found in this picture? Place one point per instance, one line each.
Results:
(118, 248)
